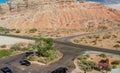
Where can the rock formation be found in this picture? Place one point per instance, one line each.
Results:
(55, 15)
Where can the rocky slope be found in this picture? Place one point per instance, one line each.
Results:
(56, 16)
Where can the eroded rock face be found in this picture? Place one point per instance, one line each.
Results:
(74, 16)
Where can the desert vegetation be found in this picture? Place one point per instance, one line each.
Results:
(96, 62)
(109, 40)
(44, 51)
(8, 50)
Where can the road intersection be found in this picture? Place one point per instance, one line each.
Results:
(70, 52)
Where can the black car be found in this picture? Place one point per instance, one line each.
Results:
(60, 70)
(25, 62)
(6, 70)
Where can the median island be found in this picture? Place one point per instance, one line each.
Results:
(44, 52)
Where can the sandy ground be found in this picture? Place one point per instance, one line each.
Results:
(10, 40)
(102, 41)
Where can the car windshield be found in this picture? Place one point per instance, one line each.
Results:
(26, 61)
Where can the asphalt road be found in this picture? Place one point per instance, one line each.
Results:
(70, 52)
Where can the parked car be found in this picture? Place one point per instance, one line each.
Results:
(25, 62)
(6, 70)
(60, 70)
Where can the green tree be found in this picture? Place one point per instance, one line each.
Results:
(43, 45)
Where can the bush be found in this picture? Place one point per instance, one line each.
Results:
(87, 55)
(32, 58)
(114, 66)
(92, 64)
(1, 29)
(3, 46)
(76, 41)
(53, 54)
(116, 62)
(88, 65)
(103, 55)
(17, 31)
(83, 57)
(106, 36)
(116, 46)
(89, 37)
(118, 41)
(33, 30)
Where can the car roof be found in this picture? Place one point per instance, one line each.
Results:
(6, 69)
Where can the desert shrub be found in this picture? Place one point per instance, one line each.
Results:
(88, 65)
(76, 41)
(3, 46)
(106, 36)
(116, 62)
(103, 55)
(96, 36)
(51, 56)
(1, 29)
(87, 55)
(33, 30)
(116, 46)
(92, 64)
(114, 66)
(118, 42)
(32, 58)
(82, 57)
(17, 31)
(89, 37)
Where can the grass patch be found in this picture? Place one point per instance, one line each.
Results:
(4, 53)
